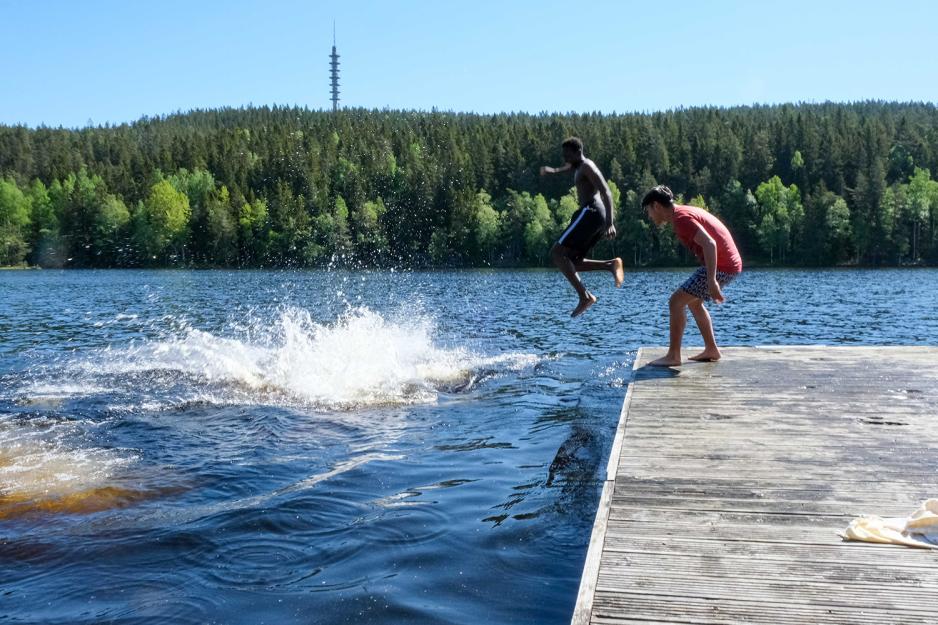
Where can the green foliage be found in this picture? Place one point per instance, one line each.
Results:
(918, 201)
(255, 233)
(48, 247)
(81, 204)
(14, 220)
(838, 230)
(110, 223)
(539, 228)
(797, 160)
(220, 243)
(485, 224)
(566, 208)
(699, 201)
(339, 236)
(909, 215)
(440, 249)
(780, 217)
(530, 227)
(281, 186)
(369, 240)
(161, 222)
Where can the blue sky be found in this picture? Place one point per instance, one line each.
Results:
(64, 63)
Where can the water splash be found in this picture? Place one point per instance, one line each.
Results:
(361, 359)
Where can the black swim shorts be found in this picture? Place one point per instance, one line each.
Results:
(586, 228)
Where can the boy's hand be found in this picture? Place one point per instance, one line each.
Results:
(610, 232)
(715, 292)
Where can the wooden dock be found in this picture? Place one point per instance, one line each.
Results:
(728, 484)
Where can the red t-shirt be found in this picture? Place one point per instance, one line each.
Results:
(686, 220)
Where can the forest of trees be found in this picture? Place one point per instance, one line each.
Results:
(807, 184)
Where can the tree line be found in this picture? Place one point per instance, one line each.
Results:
(806, 184)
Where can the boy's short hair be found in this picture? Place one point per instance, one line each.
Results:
(661, 194)
(573, 143)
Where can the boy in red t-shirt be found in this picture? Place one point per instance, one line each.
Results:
(712, 243)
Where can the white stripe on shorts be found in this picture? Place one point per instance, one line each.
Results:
(572, 226)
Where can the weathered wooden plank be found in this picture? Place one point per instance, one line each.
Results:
(727, 472)
(828, 550)
(705, 518)
(781, 483)
(776, 590)
(897, 595)
(768, 506)
(609, 608)
(733, 479)
(757, 571)
(781, 497)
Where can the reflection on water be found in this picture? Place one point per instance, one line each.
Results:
(342, 447)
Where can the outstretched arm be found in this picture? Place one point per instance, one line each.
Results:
(592, 173)
(555, 170)
(709, 246)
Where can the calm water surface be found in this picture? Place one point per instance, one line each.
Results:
(330, 447)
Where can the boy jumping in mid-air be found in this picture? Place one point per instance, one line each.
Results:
(712, 243)
(587, 226)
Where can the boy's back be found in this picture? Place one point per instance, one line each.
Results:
(686, 220)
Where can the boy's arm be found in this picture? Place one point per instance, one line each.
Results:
(555, 170)
(709, 247)
(593, 174)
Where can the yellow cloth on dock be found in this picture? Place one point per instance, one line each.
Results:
(918, 530)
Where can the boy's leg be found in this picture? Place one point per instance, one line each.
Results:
(677, 306)
(562, 258)
(613, 266)
(711, 352)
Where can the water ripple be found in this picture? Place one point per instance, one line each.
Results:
(339, 447)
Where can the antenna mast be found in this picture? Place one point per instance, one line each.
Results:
(334, 73)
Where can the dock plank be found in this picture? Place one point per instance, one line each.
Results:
(730, 481)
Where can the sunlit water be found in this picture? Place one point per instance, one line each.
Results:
(332, 447)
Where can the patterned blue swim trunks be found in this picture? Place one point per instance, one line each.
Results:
(696, 285)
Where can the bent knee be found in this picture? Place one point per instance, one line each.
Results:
(679, 299)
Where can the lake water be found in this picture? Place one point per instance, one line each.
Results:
(340, 447)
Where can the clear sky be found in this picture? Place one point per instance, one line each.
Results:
(68, 62)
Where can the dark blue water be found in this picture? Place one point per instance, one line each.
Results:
(329, 447)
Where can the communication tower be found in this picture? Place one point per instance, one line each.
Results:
(334, 72)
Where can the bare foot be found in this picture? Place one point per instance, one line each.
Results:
(617, 271)
(666, 361)
(707, 356)
(583, 305)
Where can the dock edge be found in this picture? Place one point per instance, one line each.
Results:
(584, 600)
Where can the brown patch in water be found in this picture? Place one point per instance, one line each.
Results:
(80, 502)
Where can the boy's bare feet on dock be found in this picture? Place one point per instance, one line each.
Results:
(666, 361)
(617, 272)
(707, 356)
(583, 305)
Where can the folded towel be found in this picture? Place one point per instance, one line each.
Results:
(920, 529)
